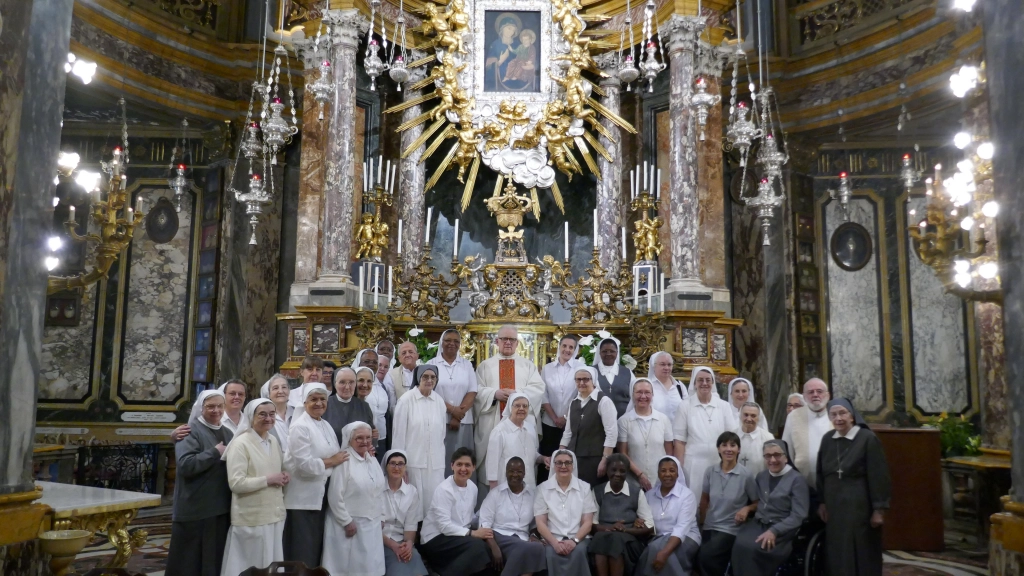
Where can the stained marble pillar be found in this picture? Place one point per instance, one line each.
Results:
(611, 203)
(311, 167)
(682, 33)
(710, 194)
(336, 225)
(412, 176)
(28, 211)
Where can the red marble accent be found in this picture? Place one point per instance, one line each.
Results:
(711, 197)
(311, 185)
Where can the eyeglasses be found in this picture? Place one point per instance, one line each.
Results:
(774, 456)
(794, 405)
(563, 464)
(396, 464)
(508, 340)
(582, 380)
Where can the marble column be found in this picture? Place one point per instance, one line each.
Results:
(682, 33)
(29, 212)
(412, 176)
(611, 204)
(710, 194)
(311, 166)
(336, 225)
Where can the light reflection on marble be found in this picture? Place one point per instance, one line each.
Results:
(156, 307)
(854, 317)
(940, 357)
(68, 500)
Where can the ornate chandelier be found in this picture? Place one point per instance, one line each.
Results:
(178, 182)
(702, 101)
(323, 87)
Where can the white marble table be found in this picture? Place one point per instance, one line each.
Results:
(98, 510)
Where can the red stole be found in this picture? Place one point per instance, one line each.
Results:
(506, 377)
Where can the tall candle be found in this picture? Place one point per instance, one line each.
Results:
(369, 178)
(391, 277)
(71, 217)
(361, 285)
(380, 164)
(657, 189)
(636, 289)
(455, 241)
(387, 176)
(399, 236)
(566, 237)
(394, 174)
(645, 172)
(661, 289)
(632, 186)
(365, 176)
(623, 243)
(426, 229)
(129, 215)
(595, 228)
(375, 289)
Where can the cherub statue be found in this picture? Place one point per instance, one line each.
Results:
(436, 23)
(469, 137)
(459, 19)
(380, 235)
(509, 116)
(653, 243)
(575, 94)
(365, 236)
(564, 13)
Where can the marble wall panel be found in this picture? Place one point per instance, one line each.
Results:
(156, 309)
(996, 426)
(856, 360)
(66, 360)
(941, 380)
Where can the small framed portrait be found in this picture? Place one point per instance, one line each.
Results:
(809, 324)
(207, 286)
(811, 370)
(201, 368)
(806, 253)
(805, 226)
(808, 301)
(851, 246)
(300, 341)
(207, 261)
(808, 277)
(211, 199)
(810, 347)
(695, 342)
(209, 237)
(326, 338)
(204, 314)
(512, 61)
(203, 339)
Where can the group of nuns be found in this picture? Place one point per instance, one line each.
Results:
(297, 475)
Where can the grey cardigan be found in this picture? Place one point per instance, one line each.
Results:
(201, 487)
(785, 508)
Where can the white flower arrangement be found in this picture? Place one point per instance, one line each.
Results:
(588, 349)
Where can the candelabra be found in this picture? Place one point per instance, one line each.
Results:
(378, 191)
(423, 294)
(598, 298)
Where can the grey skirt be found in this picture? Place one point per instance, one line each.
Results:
(575, 564)
(680, 563)
(749, 559)
(618, 545)
(520, 556)
(395, 567)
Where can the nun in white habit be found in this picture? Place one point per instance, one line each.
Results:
(514, 436)
(420, 419)
(613, 379)
(353, 535)
(669, 393)
(256, 478)
(740, 392)
(753, 434)
(277, 391)
(402, 514)
(234, 418)
(698, 424)
(564, 509)
(457, 387)
(379, 401)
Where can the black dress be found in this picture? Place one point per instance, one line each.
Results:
(853, 481)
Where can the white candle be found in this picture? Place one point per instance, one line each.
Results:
(399, 236)
(623, 243)
(639, 189)
(130, 215)
(455, 241)
(595, 228)
(649, 296)
(394, 174)
(426, 229)
(645, 173)
(657, 189)
(375, 289)
(365, 176)
(391, 277)
(661, 290)
(361, 285)
(380, 165)
(636, 289)
(387, 176)
(566, 237)
(632, 186)
(71, 217)
(369, 177)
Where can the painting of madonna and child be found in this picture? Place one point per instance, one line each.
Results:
(513, 51)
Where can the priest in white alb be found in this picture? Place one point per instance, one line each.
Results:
(805, 427)
(498, 378)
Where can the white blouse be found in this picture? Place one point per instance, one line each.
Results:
(645, 438)
(507, 513)
(402, 511)
(508, 440)
(609, 419)
(310, 441)
(564, 508)
(667, 400)
(752, 449)
(353, 484)
(419, 429)
(451, 510)
(281, 427)
(454, 381)
(675, 514)
(560, 387)
(378, 401)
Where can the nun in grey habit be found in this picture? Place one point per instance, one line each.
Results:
(202, 499)
(765, 542)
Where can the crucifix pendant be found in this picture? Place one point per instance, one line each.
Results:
(840, 473)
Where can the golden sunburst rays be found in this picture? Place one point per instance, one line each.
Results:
(441, 168)
(582, 145)
(557, 195)
(413, 102)
(467, 192)
(536, 203)
(615, 118)
(449, 132)
(597, 146)
(422, 138)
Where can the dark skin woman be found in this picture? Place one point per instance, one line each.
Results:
(609, 565)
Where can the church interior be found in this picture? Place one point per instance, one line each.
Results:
(195, 191)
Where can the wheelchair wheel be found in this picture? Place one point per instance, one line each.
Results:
(814, 557)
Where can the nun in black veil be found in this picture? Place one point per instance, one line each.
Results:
(766, 541)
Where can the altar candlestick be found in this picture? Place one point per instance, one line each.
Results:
(661, 290)
(455, 241)
(623, 243)
(566, 237)
(71, 218)
(380, 164)
(391, 277)
(595, 228)
(399, 236)
(361, 285)
(426, 229)
(375, 289)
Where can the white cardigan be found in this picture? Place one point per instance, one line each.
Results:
(253, 502)
(307, 446)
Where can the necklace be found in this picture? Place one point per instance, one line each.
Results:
(450, 371)
(517, 507)
(839, 461)
(563, 497)
(646, 435)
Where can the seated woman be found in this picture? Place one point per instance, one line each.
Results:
(624, 521)
(591, 427)
(508, 511)
(353, 534)
(677, 538)
(202, 499)
(514, 436)
(256, 479)
(402, 513)
(564, 510)
(764, 543)
(446, 542)
(728, 497)
(645, 434)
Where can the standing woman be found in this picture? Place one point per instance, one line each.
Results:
(515, 437)
(669, 393)
(202, 499)
(419, 432)
(457, 387)
(353, 534)
(374, 394)
(402, 514)
(311, 370)
(762, 545)
(698, 425)
(343, 407)
(564, 510)
(740, 392)
(592, 428)
(508, 511)
(277, 390)
(257, 479)
(234, 417)
(645, 434)
(623, 520)
(677, 538)
(559, 390)
(614, 379)
(314, 453)
(729, 496)
(753, 434)
(447, 542)
(794, 401)
(853, 479)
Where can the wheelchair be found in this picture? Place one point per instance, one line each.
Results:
(808, 556)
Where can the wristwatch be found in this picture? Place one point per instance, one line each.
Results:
(575, 539)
